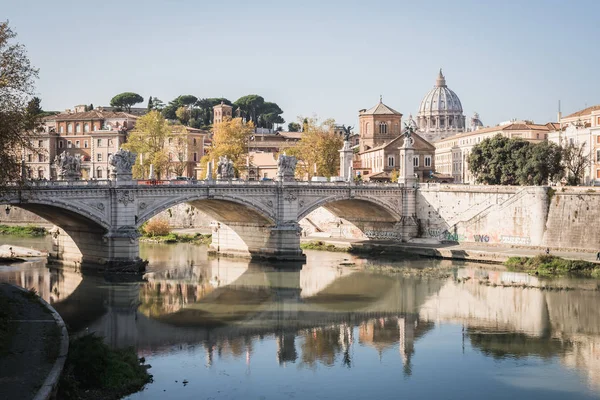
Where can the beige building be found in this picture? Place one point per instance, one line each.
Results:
(185, 149)
(38, 160)
(451, 153)
(582, 128)
(380, 140)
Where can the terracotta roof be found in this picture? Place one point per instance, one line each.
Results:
(291, 135)
(91, 115)
(393, 141)
(380, 109)
(516, 126)
(585, 111)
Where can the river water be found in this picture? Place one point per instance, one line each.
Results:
(339, 327)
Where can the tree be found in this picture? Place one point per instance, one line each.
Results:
(270, 114)
(575, 161)
(34, 106)
(317, 149)
(498, 160)
(17, 121)
(183, 114)
(156, 104)
(503, 161)
(294, 127)
(542, 163)
(230, 138)
(178, 150)
(250, 106)
(150, 105)
(394, 175)
(148, 140)
(125, 100)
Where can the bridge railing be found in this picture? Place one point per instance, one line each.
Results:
(193, 183)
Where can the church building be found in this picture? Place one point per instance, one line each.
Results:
(380, 130)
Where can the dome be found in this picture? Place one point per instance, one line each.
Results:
(411, 122)
(440, 99)
(476, 122)
(440, 114)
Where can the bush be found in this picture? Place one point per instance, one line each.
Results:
(157, 227)
(92, 366)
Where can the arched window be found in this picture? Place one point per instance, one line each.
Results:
(86, 127)
(390, 161)
(367, 128)
(40, 173)
(99, 173)
(382, 127)
(61, 129)
(69, 128)
(77, 128)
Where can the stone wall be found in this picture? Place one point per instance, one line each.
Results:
(487, 214)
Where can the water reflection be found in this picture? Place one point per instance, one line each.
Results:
(322, 315)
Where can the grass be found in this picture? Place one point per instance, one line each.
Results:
(93, 370)
(23, 231)
(197, 238)
(319, 245)
(547, 265)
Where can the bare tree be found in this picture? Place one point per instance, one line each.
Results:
(17, 121)
(576, 161)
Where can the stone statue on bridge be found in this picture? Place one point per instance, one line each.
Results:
(68, 167)
(122, 164)
(286, 168)
(225, 168)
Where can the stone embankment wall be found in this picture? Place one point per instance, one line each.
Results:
(487, 214)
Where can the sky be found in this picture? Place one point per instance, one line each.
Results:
(329, 58)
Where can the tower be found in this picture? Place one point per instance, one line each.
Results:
(378, 125)
(221, 112)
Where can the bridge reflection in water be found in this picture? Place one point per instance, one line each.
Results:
(318, 312)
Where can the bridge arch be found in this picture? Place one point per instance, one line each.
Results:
(243, 227)
(375, 218)
(85, 230)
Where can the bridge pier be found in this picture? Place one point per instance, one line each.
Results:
(257, 241)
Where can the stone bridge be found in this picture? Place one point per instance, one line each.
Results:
(98, 221)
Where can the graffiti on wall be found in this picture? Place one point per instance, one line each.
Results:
(481, 238)
(523, 240)
(444, 234)
(382, 235)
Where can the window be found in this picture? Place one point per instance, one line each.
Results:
(85, 144)
(99, 143)
(86, 127)
(99, 172)
(382, 127)
(99, 156)
(61, 129)
(170, 156)
(170, 140)
(598, 155)
(196, 143)
(195, 156)
(537, 135)
(390, 161)
(428, 161)
(69, 144)
(77, 144)
(40, 158)
(60, 144)
(415, 161)
(77, 128)
(180, 155)
(69, 128)
(29, 157)
(40, 143)
(110, 142)
(94, 127)
(40, 173)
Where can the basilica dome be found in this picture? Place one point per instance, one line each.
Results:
(441, 113)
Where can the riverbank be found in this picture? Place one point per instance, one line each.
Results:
(196, 238)
(34, 345)
(23, 230)
(464, 251)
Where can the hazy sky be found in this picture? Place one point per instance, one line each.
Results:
(505, 59)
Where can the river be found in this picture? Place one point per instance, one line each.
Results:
(339, 327)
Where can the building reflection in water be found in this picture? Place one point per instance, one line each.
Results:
(227, 306)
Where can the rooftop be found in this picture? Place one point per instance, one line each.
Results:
(380, 109)
(585, 111)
